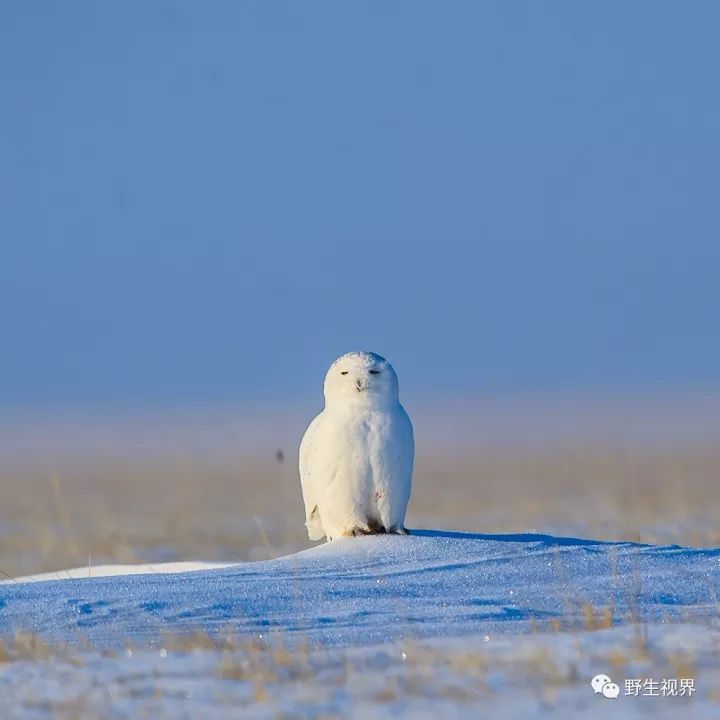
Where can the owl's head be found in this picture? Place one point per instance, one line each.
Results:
(361, 378)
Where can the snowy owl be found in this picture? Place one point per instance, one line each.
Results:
(356, 458)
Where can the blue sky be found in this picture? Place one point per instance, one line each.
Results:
(207, 202)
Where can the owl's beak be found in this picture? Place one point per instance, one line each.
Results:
(361, 384)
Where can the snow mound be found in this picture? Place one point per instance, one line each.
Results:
(379, 589)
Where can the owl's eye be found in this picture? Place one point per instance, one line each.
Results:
(344, 372)
(374, 372)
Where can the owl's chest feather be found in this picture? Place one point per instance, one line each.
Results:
(365, 434)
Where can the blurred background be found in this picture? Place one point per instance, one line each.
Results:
(203, 204)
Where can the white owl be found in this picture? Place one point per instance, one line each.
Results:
(356, 458)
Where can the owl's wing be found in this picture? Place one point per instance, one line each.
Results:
(310, 465)
(401, 457)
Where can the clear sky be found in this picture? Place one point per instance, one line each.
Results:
(209, 201)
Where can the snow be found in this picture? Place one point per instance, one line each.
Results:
(426, 623)
(114, 570)
(361, 590)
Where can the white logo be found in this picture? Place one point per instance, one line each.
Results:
(603, 684)
(648, 687)
(598, 681)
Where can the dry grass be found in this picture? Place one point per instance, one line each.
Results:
(251, 508)
(28, 646)
(264, 672)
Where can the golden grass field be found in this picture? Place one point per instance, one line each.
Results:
(247, 505)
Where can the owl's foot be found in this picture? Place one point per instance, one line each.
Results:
(372, 528)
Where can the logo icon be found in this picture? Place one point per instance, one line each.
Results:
(611, 690)
(603, 684)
